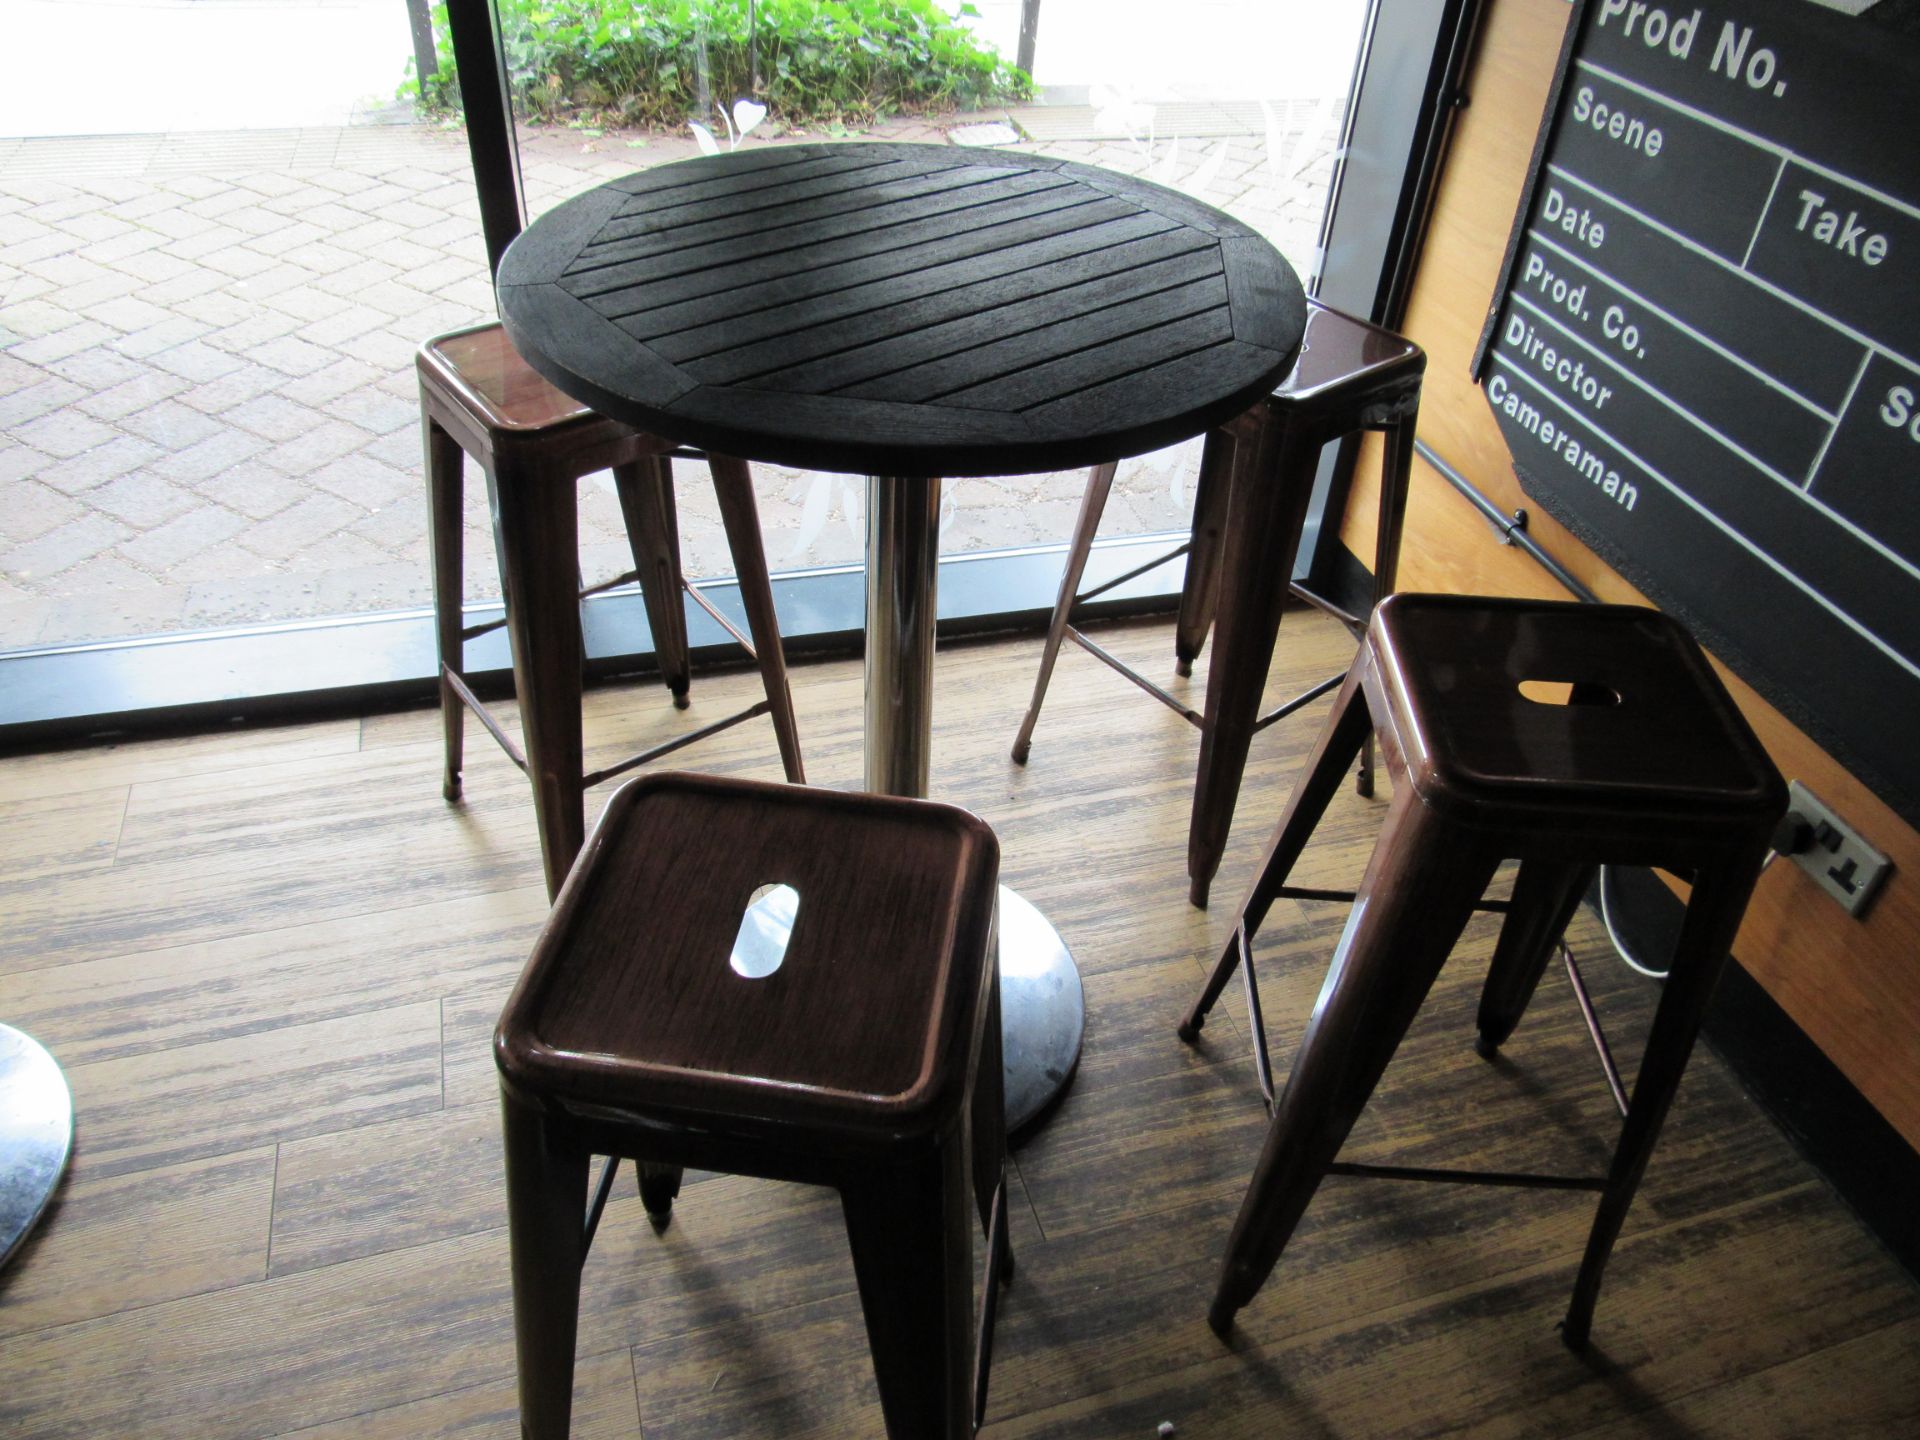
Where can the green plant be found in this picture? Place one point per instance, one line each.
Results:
(663, 62)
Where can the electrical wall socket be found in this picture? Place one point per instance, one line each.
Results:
(1840, 862)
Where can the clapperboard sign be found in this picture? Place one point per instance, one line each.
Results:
(1704, 353)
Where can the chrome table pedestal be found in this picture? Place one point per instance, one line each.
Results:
(1042, 1008)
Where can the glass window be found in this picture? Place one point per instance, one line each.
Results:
(215, 272)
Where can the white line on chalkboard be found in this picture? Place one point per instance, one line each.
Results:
(1852, 390)
(1779, 477)
(1771, 147)
(1765, 210)
(1732, 269)
(1707, 340)
(1732, 534)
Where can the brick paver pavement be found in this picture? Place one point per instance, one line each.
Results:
(208, 414)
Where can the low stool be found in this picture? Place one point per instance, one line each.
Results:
(478, 397)
(774, 981)
(1565, 736)
(1250, 505)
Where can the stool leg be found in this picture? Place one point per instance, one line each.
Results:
(989, 1114)
(536, 532)
(546, 1211)
(1418, 892)
(445, 494)
(1200, 591)
(653, 534)
(1545, 895)
(1720, 893)
(1347, 727)
(740, 515)
(659, 1188)
(1266, 507)
(910, 1232)
(1092, 502)
(1396, 472)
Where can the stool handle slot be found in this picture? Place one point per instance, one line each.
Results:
(1568, 692)
(766, 929)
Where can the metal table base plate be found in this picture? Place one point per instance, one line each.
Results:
(1043, 1011)
(36, 1134)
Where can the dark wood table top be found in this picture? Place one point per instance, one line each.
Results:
(902, 309)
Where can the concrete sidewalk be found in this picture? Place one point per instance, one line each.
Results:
(208, 414)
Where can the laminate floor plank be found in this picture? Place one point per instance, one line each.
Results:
(209, 858)
(118, 764)
(605, 1407)
(147, 1000)
(52, 835)
(193, 1101)
(123, 1242)
(1683, 1309)
(1799, 1397)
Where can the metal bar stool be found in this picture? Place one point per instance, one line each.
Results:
(767, 980)
(478, 396)
(1250, 503)
(1566, 736)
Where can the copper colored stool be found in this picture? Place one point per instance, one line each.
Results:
(767, 980)
(1249, 506)
(1565, 736)
(479, 397)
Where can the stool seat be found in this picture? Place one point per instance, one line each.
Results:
(774, 981)
(1567, 737)
(480, 398)
(630, 999)
(1250, 504)
(1631, 715)
(487, 377)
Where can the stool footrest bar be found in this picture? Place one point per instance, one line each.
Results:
(606, 585)
(1113, 662)
(989, 1302)
(1510, 1179)
(1305, 697)
(677, 743)
(485, 717)
(1097, 591)
(722, 621)
(599, 1202)
(1256, 1020)
(1308, 892)
(1594, 1032)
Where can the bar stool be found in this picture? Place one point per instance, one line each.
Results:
(767, 980)
(480, 398)
(1250, 504)
(1563, 735)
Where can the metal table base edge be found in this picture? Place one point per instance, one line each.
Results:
(1042, 1007)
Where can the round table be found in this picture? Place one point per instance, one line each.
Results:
(907, 312)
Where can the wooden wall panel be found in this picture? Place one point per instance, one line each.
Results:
(1853, 986)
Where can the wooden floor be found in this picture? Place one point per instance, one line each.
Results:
(270, 961)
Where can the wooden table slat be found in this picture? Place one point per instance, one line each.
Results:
(899, 275)
(986, 342)
(1214, 370)
(1133, 353)
(632, 287)
(787, 217)
(706, 181)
